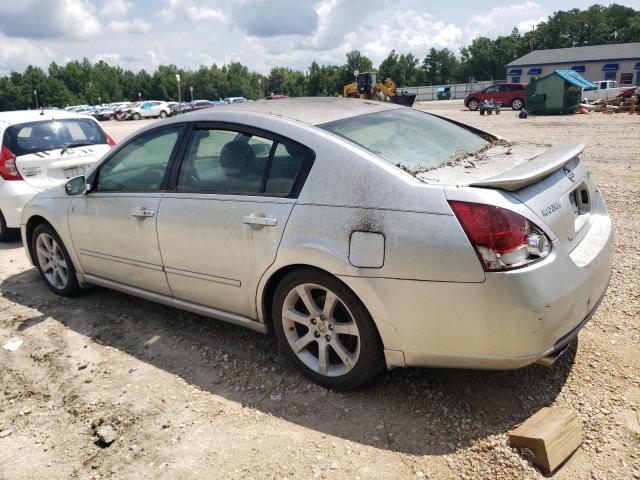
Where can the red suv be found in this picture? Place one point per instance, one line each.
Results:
(512, 94)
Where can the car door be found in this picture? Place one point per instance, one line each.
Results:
(113, 227)
(220, 227)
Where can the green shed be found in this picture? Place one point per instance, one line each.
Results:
(557, 93)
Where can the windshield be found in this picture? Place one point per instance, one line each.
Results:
(410, 139)
(34, 137)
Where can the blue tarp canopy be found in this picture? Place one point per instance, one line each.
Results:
(534, 71)
(610, 67)
(578, 68)
(637, 66)
(516, 71)
(574, 78)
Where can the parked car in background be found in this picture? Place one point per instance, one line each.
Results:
(607, 89)
(200, 104)
(255, 220)
(102, 113)
(231, 100)
(122, 111)
(150, 109)
(40, 150)
(274, 96)
(178, 108)
(506, 94)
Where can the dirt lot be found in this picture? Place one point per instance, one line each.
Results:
(193, 398)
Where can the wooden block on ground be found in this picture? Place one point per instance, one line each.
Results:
(552, 435)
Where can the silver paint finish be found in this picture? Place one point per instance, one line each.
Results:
(431, 301)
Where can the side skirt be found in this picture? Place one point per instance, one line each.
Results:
(181, 304)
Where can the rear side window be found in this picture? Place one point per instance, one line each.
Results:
(230, 162)
(34, 137)
(141, 164)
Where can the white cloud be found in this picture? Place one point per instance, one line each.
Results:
(193, 10)
(49, 19)
(136, 25)
(501, 20)
(116, 8)
(17, 53)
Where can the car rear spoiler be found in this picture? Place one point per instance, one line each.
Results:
(539, 167)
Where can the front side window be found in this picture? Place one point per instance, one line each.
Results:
(407, 138)
(225, 161)
(141, 164)
(491, 89)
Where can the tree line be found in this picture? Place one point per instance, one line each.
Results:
(84, 82)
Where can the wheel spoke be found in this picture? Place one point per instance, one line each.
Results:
(62, 275)
(294, 315)
(302, 342)
(343, 354)
(305, 295)
(323, 358)
(346, 328)
(330, 303)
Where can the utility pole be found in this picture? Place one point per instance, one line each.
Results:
(191, 90)
(139, 96)
(179, 95)
(35, 95)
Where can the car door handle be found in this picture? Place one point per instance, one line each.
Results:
(142, 212)
(259, 220)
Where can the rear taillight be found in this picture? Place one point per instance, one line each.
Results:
(8, 168)
(110, 140)
(503, 239)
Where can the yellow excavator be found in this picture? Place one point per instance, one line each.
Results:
(366, 86)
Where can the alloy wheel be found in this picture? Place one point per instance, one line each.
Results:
(516, 104)
(320, 330)
(473, 104)
(52, 261)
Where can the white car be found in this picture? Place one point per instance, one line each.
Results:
(40, 150)
(152, 108)
(232, 100)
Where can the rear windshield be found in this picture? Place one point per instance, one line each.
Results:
(34, 137)
(410, 139)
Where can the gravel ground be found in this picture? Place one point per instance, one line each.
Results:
(188, 397)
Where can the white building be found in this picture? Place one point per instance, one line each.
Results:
(620, 62)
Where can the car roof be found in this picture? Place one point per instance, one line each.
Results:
(309, 110)
(23, 116)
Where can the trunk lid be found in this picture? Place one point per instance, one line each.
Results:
(42, 170)
(550, 180)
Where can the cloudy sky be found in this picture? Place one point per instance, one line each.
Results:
(259, 33)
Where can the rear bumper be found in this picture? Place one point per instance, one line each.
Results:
(13, 196)
(511, 320)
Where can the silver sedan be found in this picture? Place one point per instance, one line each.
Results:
(364, 235)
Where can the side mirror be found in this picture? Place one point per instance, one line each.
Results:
(76, 186)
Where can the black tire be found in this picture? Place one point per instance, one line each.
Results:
(163, 114)
(7, 234)
(473, 104)
(72, 287)
(517, 104)
(481, 111)
(370, 360)
(136, 116)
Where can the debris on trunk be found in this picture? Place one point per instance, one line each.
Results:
(550, 437)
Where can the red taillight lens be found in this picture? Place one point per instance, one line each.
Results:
(8, 168)
(502, 238)
(110, 140)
